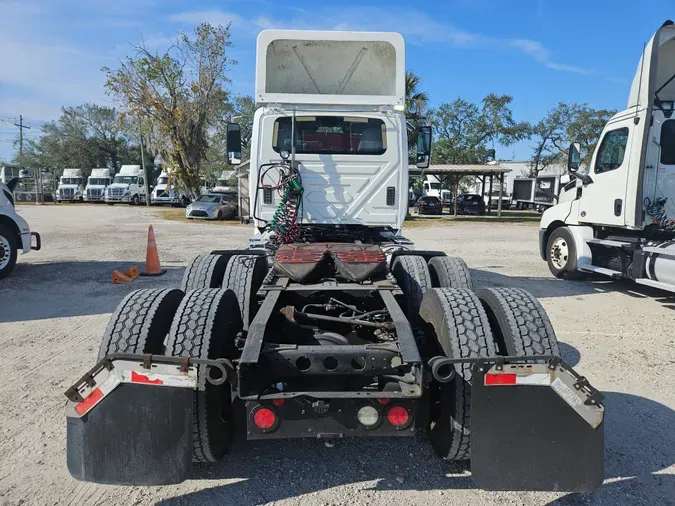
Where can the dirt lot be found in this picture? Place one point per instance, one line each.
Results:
(55, 307)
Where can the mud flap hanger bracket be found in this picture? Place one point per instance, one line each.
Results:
(224, 366)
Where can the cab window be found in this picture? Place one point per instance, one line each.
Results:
(612, 150)
(668, 142)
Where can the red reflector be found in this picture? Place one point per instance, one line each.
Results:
(89, 402)
(500, 379)
(398, 416)
(383, 401)
(264, 418)
(141, 378)
(278, 402)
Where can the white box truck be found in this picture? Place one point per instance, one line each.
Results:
(97, 183)
(71, 186)
(618, 219)
(331, 326)
(127, 187)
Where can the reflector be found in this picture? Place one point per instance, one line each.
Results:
(278, 402)
(398, 416)
(264, 418)
(500, 379)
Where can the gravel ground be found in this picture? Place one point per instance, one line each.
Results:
(54, 309)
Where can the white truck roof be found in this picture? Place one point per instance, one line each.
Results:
(72, 173)
(130, 170)
(100, 173)
(656, 67)
(330, 68)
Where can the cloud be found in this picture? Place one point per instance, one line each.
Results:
(568, 68)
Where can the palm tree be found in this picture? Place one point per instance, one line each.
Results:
(416, 100)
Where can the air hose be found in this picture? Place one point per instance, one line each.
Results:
(284, 223)
(657, 212)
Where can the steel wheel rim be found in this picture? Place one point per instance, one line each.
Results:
(559, 253)
(5, 252)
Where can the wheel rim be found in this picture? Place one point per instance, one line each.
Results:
(559, 252)
(5, 252)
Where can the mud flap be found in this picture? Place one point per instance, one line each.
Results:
(137, 435)
(533, 428)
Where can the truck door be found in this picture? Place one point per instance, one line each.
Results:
(603, 201)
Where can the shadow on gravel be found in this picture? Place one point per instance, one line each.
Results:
(640, 442)
(552, 287)
(63, 289)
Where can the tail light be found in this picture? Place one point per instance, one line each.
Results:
(398, 416)
(264, 419)
(368, 416)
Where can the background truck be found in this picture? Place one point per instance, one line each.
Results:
(431, 187)
(128, 186)
(330, 324)
(618, 219)
(167, 192)
(97, 183)
(15, 234)
(523, 192)
(71, 186)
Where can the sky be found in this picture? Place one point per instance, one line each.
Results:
(539, 51)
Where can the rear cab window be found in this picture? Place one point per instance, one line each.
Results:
(333, 135)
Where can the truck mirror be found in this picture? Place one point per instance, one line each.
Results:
(574, 157)
(233, 143)
(423, 147)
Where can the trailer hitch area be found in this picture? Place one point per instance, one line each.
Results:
(535, 425)
(442, 369)
(129, 419)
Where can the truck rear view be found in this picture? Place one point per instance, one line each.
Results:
(330, 324)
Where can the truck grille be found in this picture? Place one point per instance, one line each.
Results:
(116, 192)
(94, 192)
(67, 192)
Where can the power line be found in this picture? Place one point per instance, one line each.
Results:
(21, 127)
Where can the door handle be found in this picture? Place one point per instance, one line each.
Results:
(618, 204)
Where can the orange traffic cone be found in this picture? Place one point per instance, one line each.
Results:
(119, 279)
(132, 272)
(152, 266)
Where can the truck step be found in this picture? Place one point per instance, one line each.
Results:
(609, 243)
(601, 270)
(655, 284)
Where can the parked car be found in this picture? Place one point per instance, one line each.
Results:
(212, 206)
(429, 205)
(470, 203)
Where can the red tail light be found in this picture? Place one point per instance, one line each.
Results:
(278, 402)
(383, 400)
(264, 418)
(500, 379)
(398, 416)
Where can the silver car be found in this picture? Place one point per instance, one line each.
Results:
(212, 206)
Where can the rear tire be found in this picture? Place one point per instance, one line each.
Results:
(462, 330)
(519, 323)
(205, 326)
(141, 322)
(8, 251)
(204, 271)
(561, 254)
(450, 272)
(244, 275)
(412, 275)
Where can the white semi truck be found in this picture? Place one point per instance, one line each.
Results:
(97, 183)
(431, 187)
(71, 186)
(330, 325)
(166, 191)
(618, 219)
(127, 187)
(15, 234)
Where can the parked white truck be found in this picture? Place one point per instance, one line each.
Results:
(15, 234)
(166, 191)
(71, 186)
(618, 219)
(431, 187)
(127, 187)
(97, 183)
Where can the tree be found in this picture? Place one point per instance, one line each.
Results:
(177, 97)
(586, 127)
(416, 100)
(466, 132)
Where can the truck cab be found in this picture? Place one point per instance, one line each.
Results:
(71, 186)
(166, 191)
(97, 183)
(618, 218)
(127, 187)
(431, 187)
(15, 234)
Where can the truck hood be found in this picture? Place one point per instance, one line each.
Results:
(119, 185)
(73, 186)
(95, 186)
(161, 187)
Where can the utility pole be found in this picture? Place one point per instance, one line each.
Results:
(145, 172)
(21, 127)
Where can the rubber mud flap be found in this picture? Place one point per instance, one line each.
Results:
(526, 437)
(137, 435)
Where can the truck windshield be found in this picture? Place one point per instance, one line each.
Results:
(435, 186)
(70, 180)
(668, 143)
(334, 135)
(163, 180)
(101, 181)
(126, 179)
